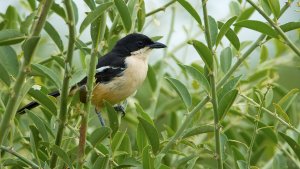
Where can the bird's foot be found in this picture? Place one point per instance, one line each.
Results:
(120, 109)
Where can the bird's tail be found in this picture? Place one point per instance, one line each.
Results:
(34, 104)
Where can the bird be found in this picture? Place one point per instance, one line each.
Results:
(119, 73)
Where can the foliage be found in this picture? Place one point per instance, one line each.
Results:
(235, 106)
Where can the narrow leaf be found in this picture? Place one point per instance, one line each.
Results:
(39, 125)
(181, 91)
(226, 102)
(244, 15)
(263, 54)
(258, 26)
(204, 53)
(29, 47)
(10, 37)
(290, 26)
(43, 99)
(62, 154)
(226, 59)
(143, 114)
(293, 144)
(224, 29)
(141, 15)
(113, 118)
(213, 27)
(197, 75)
(151, 133)
(99, 134)
(148, 160)
(231, 36)
(275, 7)
(281, 113)
(4, 76)
(51, 31)
(47, 72)
(94, 15)
(101, 162)
(189, 8)
(124, 14)
(287, 99)
(151, 75)
(117, 140)
(198, 130)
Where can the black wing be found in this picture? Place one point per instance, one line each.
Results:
(109, 66)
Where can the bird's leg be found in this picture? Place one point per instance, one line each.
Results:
(121, 108)
(100, 118)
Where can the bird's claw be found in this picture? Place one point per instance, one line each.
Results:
(120, 109)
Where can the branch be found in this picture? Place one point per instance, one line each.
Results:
(11, 106)
(277, 28)
(65, 88)
(163, 8)
(19, 156)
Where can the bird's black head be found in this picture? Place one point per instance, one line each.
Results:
(136, 42)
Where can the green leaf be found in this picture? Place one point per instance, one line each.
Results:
(98, 29)
(244, 16)
(226, 102)
(293, 144)
(275, 7)
(29, 47)
(266, 7)
(151, 75)
(47, 72)
(75, 11)
(279, 162)
(124, 14)
(90, 3)
(151, 133)
(290, 26)
(148, 160)
(197, 75)
(198, 130)
(141, 138)
(54, 36)
(43, 99)
(141, 15)
(62, 154)
(12, 18)
(10, 37)
(189, 8)
(281, 113)
(269, 98)
(60, 11)
(226, 59)
(235, 8)
(181, 91)
(204, 53)
(117, 140)
(263, 54)
(287, 99)
(9, 60)
(143, 114)
(25, 25)
(32, 4)
(4, 76)
(94, 15)
(230, 85)
(113, 118)
(39, 125)
(101, 162)
(258, 26)
(231, 36)
(34, 140)
(213, 27)
(224, 29)
(242, 164)
(99, 134)
(156, 38)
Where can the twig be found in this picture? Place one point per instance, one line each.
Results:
(19, 156)
(65, 88)
(277, 28)
(11, 106)
(160, 8)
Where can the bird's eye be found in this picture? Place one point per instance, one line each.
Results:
(140, 44)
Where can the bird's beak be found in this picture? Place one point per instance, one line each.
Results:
(157, 45)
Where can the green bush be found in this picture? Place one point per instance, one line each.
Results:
(235, 106)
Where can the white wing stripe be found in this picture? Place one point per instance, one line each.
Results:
(101, 69)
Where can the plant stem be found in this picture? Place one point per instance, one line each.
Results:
(160, 8)
(11, 106)
(98, 27)
(67, 75)
(19, 156)
(277, 28)
(198, 107)
(214, 99)
(272, 114)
